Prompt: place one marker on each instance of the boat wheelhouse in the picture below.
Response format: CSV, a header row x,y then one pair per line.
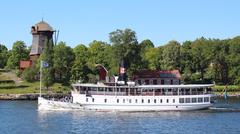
x,y
133,97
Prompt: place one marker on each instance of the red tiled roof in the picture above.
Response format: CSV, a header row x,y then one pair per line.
x,y
157,74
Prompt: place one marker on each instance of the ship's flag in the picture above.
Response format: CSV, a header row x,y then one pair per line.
x,y
44,64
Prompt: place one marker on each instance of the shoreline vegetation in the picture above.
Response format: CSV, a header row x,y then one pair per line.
x,y
30,91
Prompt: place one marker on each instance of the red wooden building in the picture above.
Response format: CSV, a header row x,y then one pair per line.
x,y
157,77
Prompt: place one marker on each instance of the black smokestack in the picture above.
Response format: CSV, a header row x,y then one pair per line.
x,y
122,72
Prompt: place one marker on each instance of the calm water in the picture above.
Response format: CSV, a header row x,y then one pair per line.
x,y
22,117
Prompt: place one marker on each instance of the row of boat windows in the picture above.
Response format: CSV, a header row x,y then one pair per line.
x,y
194,100
136,100
181,100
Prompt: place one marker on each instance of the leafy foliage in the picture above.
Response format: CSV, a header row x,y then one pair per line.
x,y
47,56
19,52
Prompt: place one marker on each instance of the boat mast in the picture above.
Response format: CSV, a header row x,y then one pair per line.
x,y
40,79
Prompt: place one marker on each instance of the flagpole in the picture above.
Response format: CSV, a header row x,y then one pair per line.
x,y
41,78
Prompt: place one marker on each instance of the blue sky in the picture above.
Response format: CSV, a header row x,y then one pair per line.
x,y
82,21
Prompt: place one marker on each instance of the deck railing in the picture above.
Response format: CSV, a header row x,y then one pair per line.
x,y
174,93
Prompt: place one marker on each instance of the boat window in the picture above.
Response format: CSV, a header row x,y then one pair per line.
x,y
187,100
181,100
110,89
162,82
147,82
86,99
139,82
92,99
136,101
148,100
171,82
130,101
105,100
154,82
167,100
155,101
142,100
117,100
194,100
100,89
173,100
160,100
123,100
200,99
206,99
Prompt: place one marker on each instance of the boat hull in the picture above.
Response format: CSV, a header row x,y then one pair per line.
x,y
140,103
45,104
146,107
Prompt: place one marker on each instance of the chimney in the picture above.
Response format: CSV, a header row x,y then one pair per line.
x,y
122,72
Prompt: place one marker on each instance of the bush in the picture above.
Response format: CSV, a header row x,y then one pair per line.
x,y
29,74
18,73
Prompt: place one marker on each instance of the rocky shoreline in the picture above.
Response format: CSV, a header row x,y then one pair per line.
x,y
30,96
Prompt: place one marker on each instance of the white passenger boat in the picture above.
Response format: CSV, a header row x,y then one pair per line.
x,y
131,97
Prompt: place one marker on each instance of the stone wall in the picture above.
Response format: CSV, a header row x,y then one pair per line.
x,y
30,96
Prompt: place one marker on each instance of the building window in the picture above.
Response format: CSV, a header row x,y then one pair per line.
x,y
130,101
92,99
162,82
148,100
160,100
181,100
167,100
171,82
155,82
86,99
123,100
105,100
136,101
173,100
117,100
155,101
142,100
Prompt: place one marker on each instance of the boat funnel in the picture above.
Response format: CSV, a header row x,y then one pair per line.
x,y
122,72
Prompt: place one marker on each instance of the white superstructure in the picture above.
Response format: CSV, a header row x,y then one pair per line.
x,y
142,98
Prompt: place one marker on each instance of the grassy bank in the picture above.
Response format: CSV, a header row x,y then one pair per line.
x,y
26,87
11,84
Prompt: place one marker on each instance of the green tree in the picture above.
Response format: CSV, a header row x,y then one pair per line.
x,y
171,56
80,69
234,60
63,61
19,52
145,46
152,57
47,56
125,46
200,55
3,56
98,54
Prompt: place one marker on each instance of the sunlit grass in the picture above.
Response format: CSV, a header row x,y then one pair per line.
x,y
27,87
